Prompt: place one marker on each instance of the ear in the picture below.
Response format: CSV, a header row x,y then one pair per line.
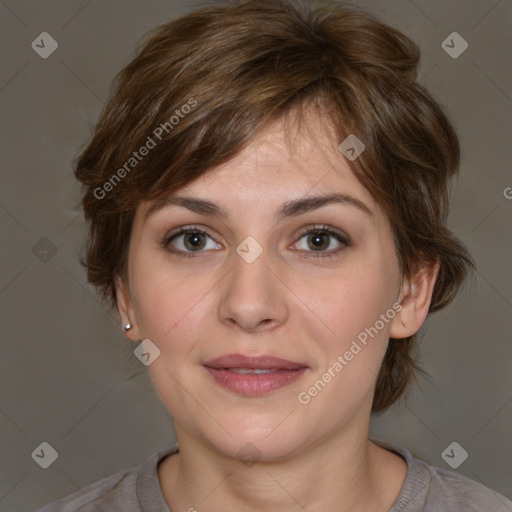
x,y
125,308
415,299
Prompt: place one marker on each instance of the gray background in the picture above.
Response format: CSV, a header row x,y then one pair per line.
x,y
68,374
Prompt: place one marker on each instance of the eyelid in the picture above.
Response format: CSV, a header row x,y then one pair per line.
x,y
183,230
331,231
303,231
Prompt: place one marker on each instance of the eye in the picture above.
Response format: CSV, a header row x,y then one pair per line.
x,y
320,238
192,240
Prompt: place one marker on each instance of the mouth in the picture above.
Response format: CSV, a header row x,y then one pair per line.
x,y
254,376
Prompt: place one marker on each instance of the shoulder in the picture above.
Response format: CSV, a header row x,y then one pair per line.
x,y
448,488
113,493
432,489
134,489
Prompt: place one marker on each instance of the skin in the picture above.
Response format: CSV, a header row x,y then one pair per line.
x,y
287,303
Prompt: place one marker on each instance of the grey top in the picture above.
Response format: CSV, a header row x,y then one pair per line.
x,y
426,489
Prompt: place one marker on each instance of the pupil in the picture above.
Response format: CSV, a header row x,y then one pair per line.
x,y
197,239
317,237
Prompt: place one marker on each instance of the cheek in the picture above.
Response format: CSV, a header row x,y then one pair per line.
x,y
352,306
166,301
355,299
167,309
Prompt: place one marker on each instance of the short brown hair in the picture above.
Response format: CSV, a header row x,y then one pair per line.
x,y
208,82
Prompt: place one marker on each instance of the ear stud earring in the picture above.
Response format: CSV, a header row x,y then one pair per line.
x,y
127,327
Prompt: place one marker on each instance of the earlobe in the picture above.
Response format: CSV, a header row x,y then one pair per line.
x,y
125,308
417,296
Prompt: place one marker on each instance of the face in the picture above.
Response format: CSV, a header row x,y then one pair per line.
x,y
304,286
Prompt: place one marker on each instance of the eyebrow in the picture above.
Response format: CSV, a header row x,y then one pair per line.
x,y
291,208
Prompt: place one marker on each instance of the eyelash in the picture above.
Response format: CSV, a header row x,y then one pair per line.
x,y
343,239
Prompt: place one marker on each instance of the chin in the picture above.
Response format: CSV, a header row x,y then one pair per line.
x,y
252,444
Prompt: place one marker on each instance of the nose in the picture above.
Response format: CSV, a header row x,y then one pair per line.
x,y
254,296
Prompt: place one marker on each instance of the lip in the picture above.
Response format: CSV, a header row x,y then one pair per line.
x,y
260,362
284,372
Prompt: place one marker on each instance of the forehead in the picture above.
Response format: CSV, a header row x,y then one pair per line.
x,y
281,163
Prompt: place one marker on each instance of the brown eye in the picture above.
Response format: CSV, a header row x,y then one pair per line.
x,y
193,240
187,241
320,239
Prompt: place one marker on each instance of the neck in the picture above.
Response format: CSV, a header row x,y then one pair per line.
x,y
343,474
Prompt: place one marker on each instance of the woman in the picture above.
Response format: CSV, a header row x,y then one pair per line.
x,y
267,195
